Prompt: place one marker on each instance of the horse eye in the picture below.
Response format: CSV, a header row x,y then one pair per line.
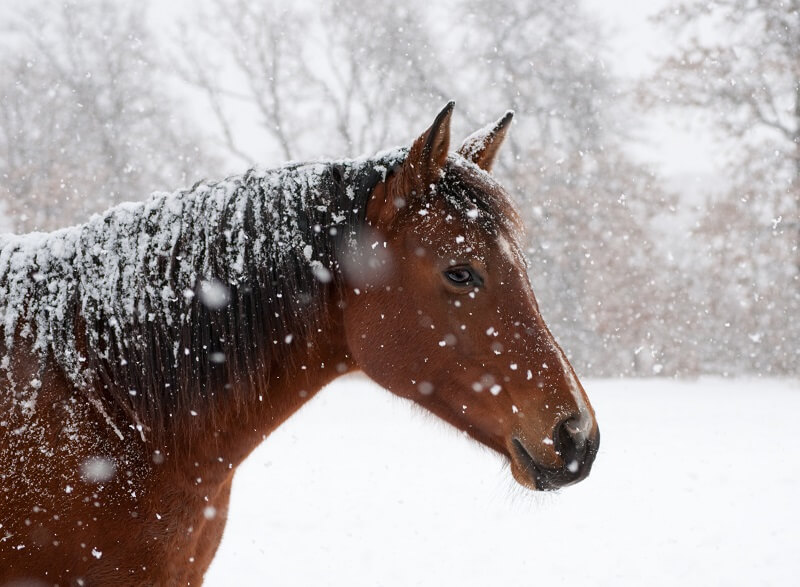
x,y
460,276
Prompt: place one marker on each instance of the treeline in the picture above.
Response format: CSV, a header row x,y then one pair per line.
x,y
102,102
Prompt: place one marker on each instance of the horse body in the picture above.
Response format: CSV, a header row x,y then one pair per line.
x,y
95,483
100,509
147,353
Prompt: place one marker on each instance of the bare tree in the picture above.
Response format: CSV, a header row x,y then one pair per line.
x,y
738,62
380,70
85,122
588,207
360,69
252,61
88,116
541,59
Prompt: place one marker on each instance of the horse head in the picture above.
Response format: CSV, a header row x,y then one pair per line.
x,y
439,309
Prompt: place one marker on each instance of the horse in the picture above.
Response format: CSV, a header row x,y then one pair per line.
x,y
145,353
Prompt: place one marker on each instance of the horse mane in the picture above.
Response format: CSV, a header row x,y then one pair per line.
x,y
154,305
472,192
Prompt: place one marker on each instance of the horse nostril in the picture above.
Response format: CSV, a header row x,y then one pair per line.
x,y
575,441
570,443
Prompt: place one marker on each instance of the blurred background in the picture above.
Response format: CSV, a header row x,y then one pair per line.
x,y
655,157
655,152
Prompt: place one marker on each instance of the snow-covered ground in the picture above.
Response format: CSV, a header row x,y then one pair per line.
x,y
696,483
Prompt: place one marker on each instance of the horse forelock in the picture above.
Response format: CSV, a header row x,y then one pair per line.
x,y
155,305
472,194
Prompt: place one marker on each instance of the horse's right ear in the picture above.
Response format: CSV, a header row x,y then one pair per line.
x,y
481,147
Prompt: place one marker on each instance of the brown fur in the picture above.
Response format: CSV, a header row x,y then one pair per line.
x,y
159,519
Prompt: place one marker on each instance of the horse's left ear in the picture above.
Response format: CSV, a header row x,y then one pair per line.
x,y
422,167
428,154
481,146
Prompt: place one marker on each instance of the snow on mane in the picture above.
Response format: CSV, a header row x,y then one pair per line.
x,y
131,277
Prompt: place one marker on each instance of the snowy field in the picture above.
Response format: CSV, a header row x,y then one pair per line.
x,y
696,483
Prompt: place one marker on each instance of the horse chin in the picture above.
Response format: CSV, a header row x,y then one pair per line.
x,y
522,477
527,472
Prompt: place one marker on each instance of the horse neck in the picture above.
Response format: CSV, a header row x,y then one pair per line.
x,y
218,435
236,414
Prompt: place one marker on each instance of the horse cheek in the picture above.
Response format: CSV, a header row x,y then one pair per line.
x,y
377,337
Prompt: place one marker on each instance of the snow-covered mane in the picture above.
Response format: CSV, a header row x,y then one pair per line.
x,y
153,304
146,353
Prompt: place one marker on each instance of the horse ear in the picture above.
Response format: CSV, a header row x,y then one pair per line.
x,y
481,146
428,154
422,167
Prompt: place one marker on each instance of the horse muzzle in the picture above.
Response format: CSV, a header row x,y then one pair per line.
x,y
576,451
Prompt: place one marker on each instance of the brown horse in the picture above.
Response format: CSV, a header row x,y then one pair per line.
x,y
147,352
